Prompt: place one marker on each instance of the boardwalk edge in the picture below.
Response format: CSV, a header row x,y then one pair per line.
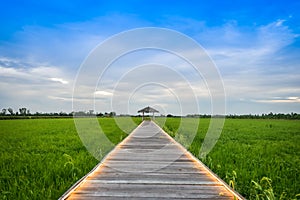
x,y
82,180
235,193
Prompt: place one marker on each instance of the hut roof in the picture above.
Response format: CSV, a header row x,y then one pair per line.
x,y
148,109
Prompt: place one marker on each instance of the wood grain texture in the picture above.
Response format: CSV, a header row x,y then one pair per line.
x,y
149,164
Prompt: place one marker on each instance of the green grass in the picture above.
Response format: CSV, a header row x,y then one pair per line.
x,y
250,148
42,158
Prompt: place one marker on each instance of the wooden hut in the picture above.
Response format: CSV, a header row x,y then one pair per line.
x,y
148,109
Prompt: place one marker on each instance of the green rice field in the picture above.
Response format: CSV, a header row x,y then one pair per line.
x,y
42,158
260,158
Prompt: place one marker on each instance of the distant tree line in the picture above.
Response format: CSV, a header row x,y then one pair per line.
x,y
91,113
251,116
10,111
25,112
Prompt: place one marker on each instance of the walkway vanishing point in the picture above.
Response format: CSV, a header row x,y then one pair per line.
x,y
149,164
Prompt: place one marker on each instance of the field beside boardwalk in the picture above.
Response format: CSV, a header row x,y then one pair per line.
x,y
42,158
258,157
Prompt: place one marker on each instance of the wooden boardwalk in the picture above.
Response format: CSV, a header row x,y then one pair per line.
x,y
149,164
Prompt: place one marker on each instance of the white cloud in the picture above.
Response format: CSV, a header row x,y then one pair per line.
x,y
45,71
60,80
245,58
12,72
232,41
279,100
15,67
32,85
255,65
35,74
293,98
103,93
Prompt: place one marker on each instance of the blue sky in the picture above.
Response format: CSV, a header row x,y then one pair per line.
x,y
254,44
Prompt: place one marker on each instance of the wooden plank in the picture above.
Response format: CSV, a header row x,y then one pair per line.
x,y
149,164
148,186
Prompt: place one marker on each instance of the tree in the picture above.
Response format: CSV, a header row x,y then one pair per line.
x,y
63,113
23,111
3,111
112,114
100,114
11,111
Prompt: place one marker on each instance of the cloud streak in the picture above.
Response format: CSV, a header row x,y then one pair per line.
x,y
32,85
255,64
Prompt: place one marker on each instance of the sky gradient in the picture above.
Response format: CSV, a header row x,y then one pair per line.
x,y
254,44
